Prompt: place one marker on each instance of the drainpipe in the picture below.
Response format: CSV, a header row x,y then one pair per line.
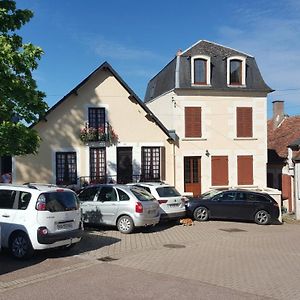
x,y
174,164
177,69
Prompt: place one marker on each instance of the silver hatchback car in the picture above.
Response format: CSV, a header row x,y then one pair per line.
x,y
123,206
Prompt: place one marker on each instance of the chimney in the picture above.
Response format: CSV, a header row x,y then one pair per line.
x,y
179,52
278,112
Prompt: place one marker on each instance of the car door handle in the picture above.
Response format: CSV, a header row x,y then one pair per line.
x,y
5,216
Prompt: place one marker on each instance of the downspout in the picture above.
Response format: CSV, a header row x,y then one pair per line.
x,y
174,164
177,69
177,85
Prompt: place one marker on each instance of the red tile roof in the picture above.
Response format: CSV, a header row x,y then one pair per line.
x,y
285,134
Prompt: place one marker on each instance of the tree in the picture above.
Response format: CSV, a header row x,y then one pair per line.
x,y
21,103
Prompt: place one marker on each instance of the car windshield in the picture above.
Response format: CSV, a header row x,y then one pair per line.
x,y
167,191
61,201
142,195
210,194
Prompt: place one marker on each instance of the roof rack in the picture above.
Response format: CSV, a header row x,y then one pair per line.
x,y
34,185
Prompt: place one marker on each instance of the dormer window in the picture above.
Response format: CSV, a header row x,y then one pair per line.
x,y
236,71
200,70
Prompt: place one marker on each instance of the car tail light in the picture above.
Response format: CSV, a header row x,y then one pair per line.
x,y
42,231
60,190
160,201
41,203
139,207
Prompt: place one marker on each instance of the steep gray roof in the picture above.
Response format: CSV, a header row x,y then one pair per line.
x,y
164,81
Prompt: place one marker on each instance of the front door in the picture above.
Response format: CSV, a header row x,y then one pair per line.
x,y
192,175
124,164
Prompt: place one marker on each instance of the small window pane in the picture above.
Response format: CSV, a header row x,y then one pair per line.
x,y
200,71
235,72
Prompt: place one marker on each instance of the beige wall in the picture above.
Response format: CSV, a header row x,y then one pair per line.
x,y
61,130
218,133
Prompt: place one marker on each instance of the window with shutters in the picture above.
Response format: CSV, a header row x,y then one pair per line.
x,y
200,70
219,170
193,126
244,123
66,168
150,164
236,71
245,169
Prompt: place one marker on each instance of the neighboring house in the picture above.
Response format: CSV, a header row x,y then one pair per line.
x,y
99,132
295,148
283,131
214,97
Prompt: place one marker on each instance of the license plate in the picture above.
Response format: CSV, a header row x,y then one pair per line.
x,y
151,211
174,205
65,226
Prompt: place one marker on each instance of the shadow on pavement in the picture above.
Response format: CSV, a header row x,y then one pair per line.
x,y
90,241
161,226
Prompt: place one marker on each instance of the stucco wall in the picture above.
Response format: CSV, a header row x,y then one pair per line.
x,y
218,134
61,130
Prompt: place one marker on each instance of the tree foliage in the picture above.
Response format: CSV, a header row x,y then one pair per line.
x,y
20,101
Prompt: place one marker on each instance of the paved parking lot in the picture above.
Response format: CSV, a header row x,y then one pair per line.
x,y
243,259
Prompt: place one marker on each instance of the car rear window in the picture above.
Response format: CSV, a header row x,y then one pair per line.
x,y
61,201
142,195
167,191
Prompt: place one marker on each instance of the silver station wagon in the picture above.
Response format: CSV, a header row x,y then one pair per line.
x,y
123,206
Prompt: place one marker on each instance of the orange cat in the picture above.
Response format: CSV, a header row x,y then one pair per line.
x,y
186,222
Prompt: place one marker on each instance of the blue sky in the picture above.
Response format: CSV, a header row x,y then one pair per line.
x,y
138,38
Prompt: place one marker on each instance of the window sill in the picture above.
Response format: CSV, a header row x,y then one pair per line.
x,y
245,139
194,139
236,85
200,85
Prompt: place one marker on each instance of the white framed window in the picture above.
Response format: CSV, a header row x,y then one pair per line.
x,y
236,71
200,70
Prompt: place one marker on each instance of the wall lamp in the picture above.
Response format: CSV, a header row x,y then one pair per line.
x,y
207,153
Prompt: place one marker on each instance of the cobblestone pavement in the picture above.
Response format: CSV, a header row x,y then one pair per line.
x,y
263,261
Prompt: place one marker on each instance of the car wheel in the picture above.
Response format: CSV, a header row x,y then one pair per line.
x,y
262,217
201,213
125,224
20,246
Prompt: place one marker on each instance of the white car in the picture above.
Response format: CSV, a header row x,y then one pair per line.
x,y
172,204
36,217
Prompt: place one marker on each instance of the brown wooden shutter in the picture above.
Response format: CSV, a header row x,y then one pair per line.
x,y
219,170
193,122
244,122
245,169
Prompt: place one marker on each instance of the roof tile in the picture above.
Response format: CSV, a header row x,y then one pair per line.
x,y
284,135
